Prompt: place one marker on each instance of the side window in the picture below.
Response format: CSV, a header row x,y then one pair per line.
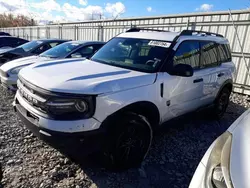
x,y
188,53
224,53
209,54
53,44
42,49
83,52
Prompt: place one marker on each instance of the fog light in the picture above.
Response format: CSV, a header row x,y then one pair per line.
x,y
218,178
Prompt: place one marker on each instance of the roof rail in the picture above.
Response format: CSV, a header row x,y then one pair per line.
x,y
191,32
138,29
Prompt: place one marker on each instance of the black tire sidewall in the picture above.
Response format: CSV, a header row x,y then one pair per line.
x,y
118,125
217,113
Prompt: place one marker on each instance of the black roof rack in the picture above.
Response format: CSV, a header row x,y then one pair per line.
x,y
138,29
183,33
191,32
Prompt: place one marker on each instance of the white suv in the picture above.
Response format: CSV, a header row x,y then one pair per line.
x,y
114,101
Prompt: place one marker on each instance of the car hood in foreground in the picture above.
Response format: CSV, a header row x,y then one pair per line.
x,y
16,51
5,49
240,152
84,77
22,61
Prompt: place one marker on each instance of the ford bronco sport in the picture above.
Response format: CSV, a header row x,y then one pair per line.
x,y
114,101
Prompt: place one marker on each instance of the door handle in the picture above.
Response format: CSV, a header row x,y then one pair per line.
x,y
220,74
198,80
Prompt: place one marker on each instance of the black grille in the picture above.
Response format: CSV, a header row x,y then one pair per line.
x,y
31,96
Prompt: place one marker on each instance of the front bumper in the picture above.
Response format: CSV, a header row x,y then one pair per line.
x,y
78,142
198,180
9,83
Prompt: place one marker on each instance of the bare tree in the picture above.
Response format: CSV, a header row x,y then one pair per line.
x,y
9,20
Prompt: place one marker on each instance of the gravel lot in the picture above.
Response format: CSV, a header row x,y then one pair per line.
x,y
175,154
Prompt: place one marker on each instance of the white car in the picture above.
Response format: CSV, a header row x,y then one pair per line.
x,y
134,83
71,49
226,162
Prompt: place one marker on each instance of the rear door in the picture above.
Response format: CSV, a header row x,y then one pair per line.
x,y
210,70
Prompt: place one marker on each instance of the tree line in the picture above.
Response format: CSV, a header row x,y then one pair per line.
x,y
9,20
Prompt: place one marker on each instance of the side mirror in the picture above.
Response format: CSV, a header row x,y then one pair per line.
x,y
183,70
76,55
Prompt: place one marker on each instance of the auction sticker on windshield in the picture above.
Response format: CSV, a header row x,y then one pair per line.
x,y
159,43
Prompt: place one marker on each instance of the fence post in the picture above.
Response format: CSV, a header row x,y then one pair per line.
x,y
75,32
193,26
100,33
59,36
30,33
38,33
23,33
47,32
60,31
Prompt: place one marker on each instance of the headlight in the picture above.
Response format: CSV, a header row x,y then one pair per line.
x,y
16,70
73,108
3,73
217,171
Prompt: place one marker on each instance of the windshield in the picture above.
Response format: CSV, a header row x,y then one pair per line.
x,y
30,45
136,54
61,50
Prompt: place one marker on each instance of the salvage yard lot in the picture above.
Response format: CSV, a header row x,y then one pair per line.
x,y
172,160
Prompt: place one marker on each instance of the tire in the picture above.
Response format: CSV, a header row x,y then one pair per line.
x,y
129,139
221,103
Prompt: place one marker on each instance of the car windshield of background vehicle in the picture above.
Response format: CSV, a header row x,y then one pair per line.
x,y
136,54
61,50
30,45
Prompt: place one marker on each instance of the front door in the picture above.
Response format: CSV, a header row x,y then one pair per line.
x,y
184,93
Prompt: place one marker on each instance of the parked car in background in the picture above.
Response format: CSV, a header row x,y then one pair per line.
x,y
72,49
114,101
226,162
11,42
35,47
4,34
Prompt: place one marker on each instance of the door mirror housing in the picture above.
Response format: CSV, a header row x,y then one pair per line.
x,y
183,70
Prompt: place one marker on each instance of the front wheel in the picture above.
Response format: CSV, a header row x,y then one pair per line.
x,y
129,140
221,103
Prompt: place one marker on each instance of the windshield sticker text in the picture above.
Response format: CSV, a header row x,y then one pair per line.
x,y
159,43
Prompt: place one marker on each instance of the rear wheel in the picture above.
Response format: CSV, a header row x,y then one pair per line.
x,y
221,103
129,140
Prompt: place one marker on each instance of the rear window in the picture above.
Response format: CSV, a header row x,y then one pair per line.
x,y
61,50
30,45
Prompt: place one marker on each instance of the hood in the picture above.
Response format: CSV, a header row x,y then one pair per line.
x,y
5,49
22,61
16,51
240,151
84,77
